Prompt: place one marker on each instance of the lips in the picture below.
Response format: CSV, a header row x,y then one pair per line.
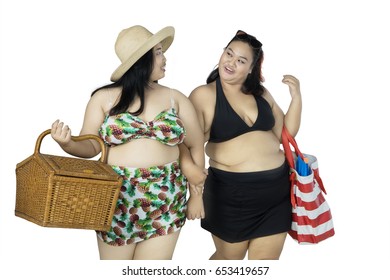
x,y
228,69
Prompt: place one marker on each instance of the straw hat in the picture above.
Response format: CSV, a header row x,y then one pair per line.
x,y
132,43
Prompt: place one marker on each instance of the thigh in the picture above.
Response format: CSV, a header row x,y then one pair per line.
x,y
157,248
109,252
229,251
267,247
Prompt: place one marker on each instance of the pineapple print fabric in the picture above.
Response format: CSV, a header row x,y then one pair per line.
x,y
152,203
166,128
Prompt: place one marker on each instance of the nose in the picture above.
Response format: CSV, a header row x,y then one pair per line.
x,y
232,61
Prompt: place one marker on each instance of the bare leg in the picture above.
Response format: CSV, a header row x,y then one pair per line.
x,y
158,248
267,247
229,251
108,252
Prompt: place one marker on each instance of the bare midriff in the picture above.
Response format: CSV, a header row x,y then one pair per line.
x,y
253,151
142,153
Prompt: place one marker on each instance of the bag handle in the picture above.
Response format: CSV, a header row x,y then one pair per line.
x,y
288,140
75,138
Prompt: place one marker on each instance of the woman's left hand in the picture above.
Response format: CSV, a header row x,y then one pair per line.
x,y
293,85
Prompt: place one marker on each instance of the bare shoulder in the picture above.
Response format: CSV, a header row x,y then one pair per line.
x,y
106,98
107,94
268,96
177,94
179,98
181,102
204,94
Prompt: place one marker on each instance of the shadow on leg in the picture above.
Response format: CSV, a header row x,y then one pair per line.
x,y
267,247
229,251
158,248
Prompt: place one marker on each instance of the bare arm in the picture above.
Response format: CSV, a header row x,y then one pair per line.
x,y
292,119
192,151
194,173
93,118
194,138
203,100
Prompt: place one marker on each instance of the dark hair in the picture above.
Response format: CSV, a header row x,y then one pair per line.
x,y
253,83
133,83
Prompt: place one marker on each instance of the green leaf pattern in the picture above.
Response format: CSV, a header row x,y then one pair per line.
x,y
142,215
166,128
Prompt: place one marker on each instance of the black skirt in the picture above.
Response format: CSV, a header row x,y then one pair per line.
x,y
246,205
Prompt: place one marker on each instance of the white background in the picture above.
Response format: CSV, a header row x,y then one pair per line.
x,y
55,53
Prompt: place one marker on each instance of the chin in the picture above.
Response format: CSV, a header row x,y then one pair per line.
x,y
226,76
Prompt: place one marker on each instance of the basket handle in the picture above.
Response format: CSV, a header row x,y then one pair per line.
x,y
75,138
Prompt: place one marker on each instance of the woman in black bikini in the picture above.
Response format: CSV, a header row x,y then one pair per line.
x,y
246,194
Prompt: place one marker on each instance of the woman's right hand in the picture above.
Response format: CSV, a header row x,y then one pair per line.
x,y
61,133
195,207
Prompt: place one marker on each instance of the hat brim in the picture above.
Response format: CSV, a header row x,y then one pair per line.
x,y
165,36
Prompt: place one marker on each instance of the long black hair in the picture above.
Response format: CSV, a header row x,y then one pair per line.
x,y
253,83
133,83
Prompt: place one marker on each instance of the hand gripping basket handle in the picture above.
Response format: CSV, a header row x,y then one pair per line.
x,y
74,138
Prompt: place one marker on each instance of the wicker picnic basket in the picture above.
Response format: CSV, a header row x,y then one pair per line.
x,y
66,192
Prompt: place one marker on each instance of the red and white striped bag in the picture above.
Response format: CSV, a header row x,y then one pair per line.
x,y
312,219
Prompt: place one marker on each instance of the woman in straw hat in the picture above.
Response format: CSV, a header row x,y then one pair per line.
x,y
143,123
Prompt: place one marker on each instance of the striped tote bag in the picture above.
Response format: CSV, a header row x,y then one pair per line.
x,y
311,216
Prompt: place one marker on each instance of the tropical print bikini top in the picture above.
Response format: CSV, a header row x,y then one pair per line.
x,y
166,128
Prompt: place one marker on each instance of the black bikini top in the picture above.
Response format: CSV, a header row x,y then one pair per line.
x,y
227,124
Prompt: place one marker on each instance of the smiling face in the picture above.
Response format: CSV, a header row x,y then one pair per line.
x,y
158,64
236,62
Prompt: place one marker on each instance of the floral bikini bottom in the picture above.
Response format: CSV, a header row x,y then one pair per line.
x,y
151,203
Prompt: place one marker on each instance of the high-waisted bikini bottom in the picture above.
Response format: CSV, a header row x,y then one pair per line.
x,y
246,205
151,203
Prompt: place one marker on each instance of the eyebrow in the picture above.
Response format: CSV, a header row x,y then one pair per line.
x,y
243,57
